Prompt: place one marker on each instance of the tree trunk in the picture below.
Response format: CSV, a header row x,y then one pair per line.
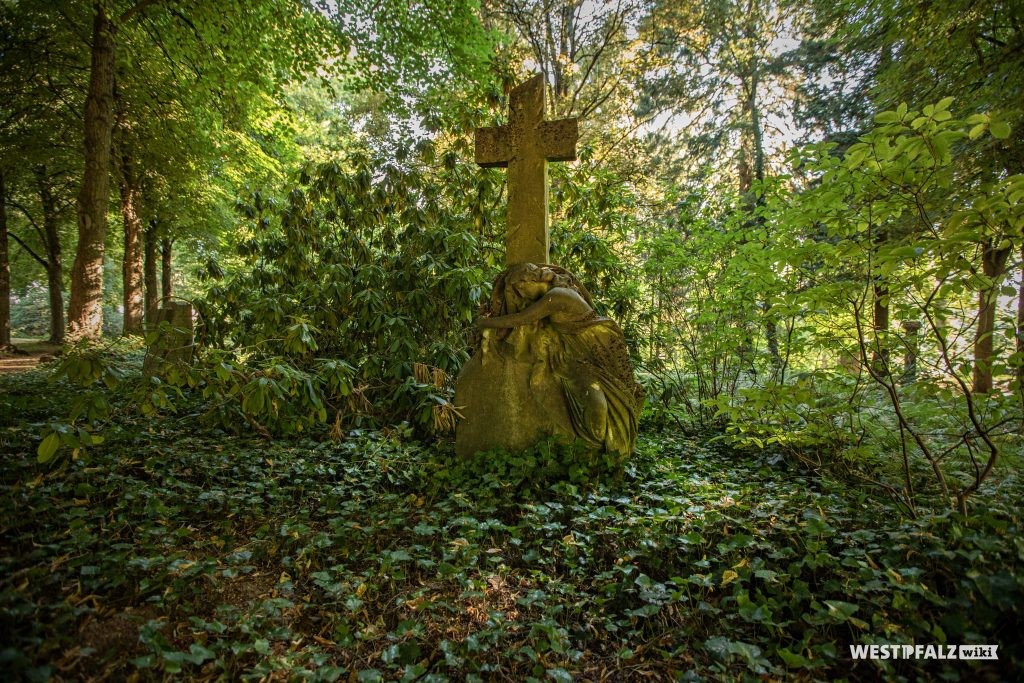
x,y
85,310
993,265
880,324
771,326
5,272
911,330
880,285
880,311
756,131
771,333
744,173
54,264
165,271
149,274
1020,323
131,268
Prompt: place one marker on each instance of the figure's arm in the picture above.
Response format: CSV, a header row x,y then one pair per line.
x,y
559,300
538,310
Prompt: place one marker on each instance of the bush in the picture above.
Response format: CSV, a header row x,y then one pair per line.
x,y
30,311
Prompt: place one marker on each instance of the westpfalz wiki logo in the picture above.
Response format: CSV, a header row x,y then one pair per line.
x,y
924,651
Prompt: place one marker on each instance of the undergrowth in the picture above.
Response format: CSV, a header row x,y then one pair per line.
x,y
172,551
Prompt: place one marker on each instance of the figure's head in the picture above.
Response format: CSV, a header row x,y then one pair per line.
x,y
524,283
555,276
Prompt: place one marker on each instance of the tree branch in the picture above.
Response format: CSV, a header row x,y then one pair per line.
x,y
45,264
135,9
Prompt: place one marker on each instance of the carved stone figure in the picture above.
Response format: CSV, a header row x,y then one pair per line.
x,y
559,368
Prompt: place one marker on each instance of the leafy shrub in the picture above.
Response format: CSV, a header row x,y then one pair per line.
x,y
370,263
30,311
897,226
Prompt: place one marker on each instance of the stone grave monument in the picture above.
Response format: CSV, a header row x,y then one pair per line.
x,y
174,342
544,363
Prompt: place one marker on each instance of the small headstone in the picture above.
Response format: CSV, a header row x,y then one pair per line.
x,y
174,341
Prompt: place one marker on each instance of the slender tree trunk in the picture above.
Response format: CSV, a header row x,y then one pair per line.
x,y
54,264
756,131
5,272
744,173
911,330
566,44
85,310
165,272
880,285
556,64
880,310
1020,322
745,181
880,324
771,326
771,334
149,274
132,266
993,265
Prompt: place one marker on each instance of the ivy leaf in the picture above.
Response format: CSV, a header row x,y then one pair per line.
x,y
1000,129
840,611
559,675
199,654
793,660
728,576
645,611
48,447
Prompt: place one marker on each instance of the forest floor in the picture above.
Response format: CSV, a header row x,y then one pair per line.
x,y
178,551
26,355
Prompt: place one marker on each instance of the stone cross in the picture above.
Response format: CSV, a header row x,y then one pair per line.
x,y
525,145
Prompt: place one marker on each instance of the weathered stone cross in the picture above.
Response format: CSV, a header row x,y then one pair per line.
x,y
525,145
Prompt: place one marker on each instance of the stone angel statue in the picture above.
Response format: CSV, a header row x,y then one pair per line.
x,y
542,315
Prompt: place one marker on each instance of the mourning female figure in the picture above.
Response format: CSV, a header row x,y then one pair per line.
x,y
545,315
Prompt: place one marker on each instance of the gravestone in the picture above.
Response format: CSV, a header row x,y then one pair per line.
x,y
544,363
174,341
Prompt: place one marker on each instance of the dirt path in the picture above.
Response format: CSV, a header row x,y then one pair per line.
x,y
27,354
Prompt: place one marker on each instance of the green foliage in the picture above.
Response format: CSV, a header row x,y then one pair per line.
x,y
428,45
595,220
30,311
378,558
528,474
352,308
365,261
704,278
898,224
772,313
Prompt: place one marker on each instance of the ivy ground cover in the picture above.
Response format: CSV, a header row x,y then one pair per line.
x,y
175,552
